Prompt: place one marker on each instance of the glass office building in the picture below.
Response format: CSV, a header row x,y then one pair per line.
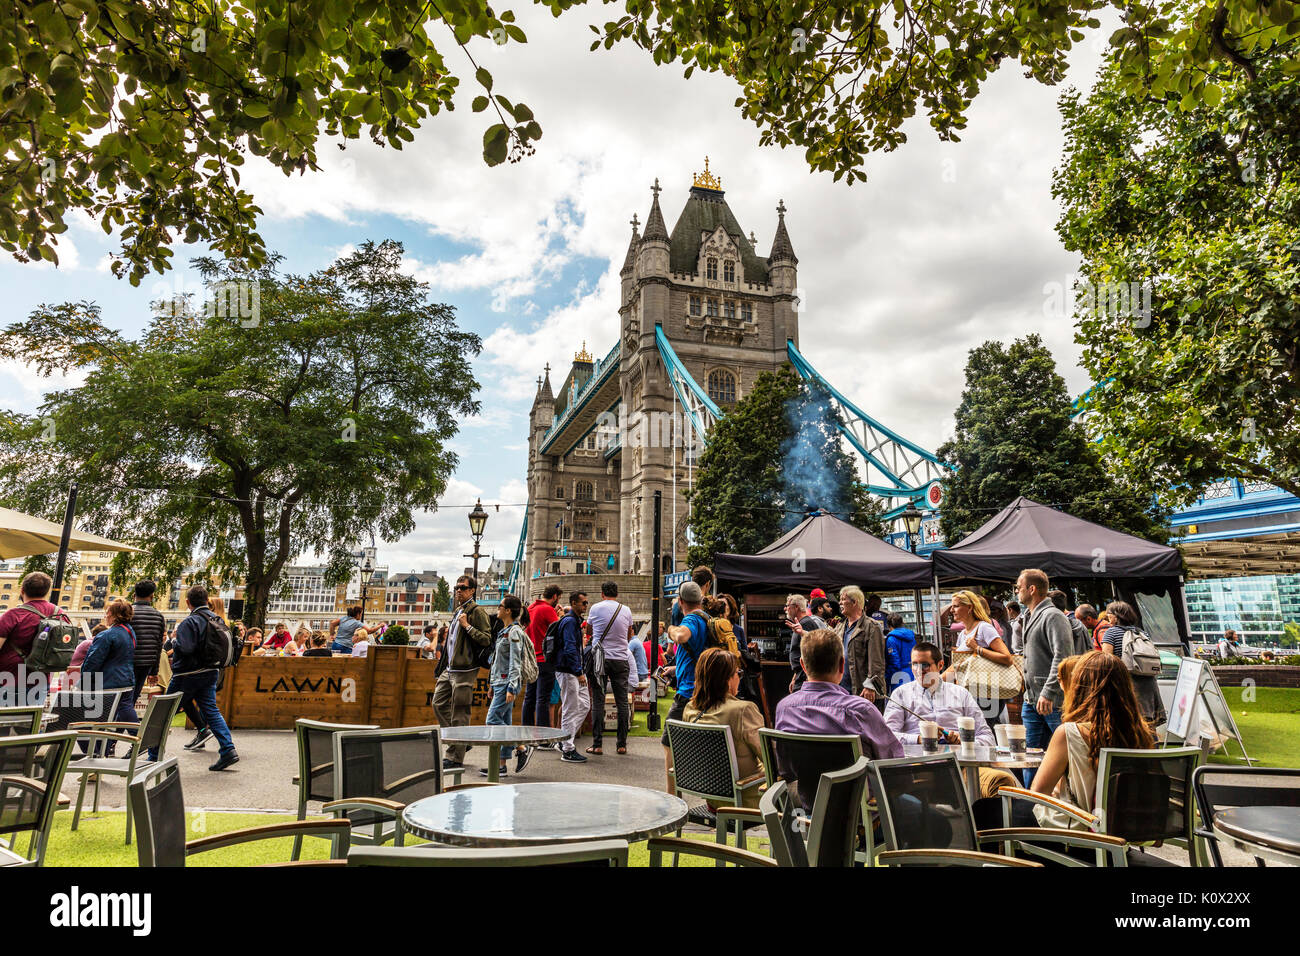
x,y
1257,607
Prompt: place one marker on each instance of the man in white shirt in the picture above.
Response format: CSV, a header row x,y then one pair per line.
x,y
933,698
610,625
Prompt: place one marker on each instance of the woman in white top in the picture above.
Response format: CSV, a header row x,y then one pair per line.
x,y
1102,712
977,633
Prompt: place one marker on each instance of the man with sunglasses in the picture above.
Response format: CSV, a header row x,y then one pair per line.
x,y
457,669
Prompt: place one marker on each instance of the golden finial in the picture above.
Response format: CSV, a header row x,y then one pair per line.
x,y
584,355
706,179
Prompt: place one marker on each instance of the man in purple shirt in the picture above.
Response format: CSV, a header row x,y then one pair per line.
x,y
822,706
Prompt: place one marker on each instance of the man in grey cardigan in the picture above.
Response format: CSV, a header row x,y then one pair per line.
x,y
1048,641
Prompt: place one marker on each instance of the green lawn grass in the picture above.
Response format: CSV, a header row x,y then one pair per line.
x,y
1269,724
98,842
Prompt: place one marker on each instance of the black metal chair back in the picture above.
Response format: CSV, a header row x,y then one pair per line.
x,y
158,805
75,706
401,765
796,757
20,721
828,837
923,804
156,722
704,759
29,787
1145,796
316,756
1222,788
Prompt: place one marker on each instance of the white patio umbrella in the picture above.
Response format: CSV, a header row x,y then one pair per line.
x,y
21,535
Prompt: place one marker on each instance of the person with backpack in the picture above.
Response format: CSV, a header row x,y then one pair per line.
x,y
19,628
469,647
510,673
692,639
111,660
564,651
200,649
149,626
537,698
1140,655
610,623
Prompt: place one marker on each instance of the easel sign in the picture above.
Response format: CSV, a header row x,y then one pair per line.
x,y
1199,712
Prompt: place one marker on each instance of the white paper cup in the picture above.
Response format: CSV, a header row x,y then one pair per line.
x,y
1000,731
929,736
1016,738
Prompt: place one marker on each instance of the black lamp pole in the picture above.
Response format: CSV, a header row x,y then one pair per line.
x,y
477,521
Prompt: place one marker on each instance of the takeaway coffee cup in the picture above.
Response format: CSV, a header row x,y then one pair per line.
x,y
930,736
1000,731
1016,738
966,735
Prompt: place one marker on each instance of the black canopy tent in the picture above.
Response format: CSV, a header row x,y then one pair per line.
x,y
822,551
1028,534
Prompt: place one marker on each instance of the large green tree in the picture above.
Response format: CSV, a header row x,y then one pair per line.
x,y
1202,208
140,113
314,415
839,78
775,456
1014,436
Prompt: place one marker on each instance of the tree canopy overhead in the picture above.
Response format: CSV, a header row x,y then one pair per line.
x,y
840,77
242,440
1014,436
141,113
1203,207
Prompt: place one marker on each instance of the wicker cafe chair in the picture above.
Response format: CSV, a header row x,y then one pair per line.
x,y
31,772
150,733
315,777
924,806
1219,788
832,828
1143,796
159,806
704,766
794,757
377,773
592,853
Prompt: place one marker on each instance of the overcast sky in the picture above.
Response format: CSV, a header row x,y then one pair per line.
x,y
945,246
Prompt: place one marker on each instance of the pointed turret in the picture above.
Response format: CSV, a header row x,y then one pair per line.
x,y
782,251
629,261
652,254
654,226
544,388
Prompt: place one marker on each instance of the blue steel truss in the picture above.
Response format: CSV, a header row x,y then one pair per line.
x,y
519,557
907,468
699,410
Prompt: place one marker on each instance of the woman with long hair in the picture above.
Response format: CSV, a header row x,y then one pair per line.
x,y
1101,711
1112,642
512,643
717,679
217,606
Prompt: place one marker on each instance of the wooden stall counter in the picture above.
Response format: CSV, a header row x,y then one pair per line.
x,y
390,686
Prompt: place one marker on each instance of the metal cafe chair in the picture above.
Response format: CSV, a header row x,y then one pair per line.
x,y
21,721
704,766
951,858
377,773
924,806
74,706
1142,797
31,772
150,733
795,757
158,802
1221,787
720,853
827,837
591,853
315,777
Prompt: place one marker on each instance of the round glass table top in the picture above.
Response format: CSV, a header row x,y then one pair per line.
x,y
983,756
523,814
1275,827
501,734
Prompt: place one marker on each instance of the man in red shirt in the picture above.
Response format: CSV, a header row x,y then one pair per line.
x,y
18,628
537,698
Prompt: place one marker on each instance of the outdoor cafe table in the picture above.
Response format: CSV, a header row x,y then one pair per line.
x,y
497,735
528,814
984,757
1270,833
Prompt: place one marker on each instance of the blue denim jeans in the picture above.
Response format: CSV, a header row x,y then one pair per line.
x,y
537,698
1038,730
499,710
201,688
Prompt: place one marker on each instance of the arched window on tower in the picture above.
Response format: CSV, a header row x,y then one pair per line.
x,y
722,386
584,491
728,271
710,268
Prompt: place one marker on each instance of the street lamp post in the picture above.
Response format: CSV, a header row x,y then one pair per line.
x,y
367,569
912,523
477,521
